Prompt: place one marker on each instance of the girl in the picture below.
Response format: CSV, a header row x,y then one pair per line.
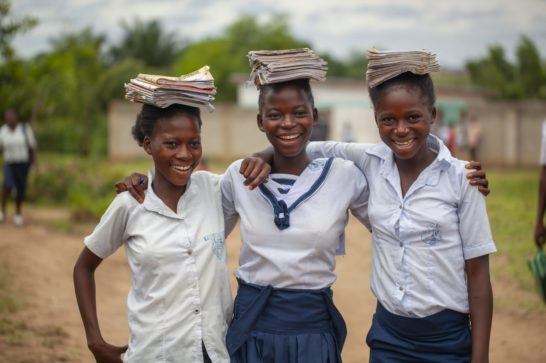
x,y
430,232
180,303
291,230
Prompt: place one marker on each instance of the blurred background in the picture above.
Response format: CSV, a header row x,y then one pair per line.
x,y
63,64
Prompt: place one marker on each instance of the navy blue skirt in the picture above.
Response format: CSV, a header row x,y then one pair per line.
x,y
441,337
15,177
272,325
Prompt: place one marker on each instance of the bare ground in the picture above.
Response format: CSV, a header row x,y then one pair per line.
x,y
47,328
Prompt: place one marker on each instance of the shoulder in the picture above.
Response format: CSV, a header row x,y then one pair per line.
x,y
124,203
205,178
234,167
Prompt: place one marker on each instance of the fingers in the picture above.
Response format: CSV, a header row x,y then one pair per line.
x,y
476,165
255,171
484,190
120,187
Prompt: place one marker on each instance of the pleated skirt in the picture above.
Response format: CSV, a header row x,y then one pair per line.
x,y
442,337
272,325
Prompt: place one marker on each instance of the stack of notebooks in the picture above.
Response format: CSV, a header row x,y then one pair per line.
x,y
194,89
384,65
274,66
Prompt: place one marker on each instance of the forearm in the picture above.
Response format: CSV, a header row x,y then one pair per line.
x,y
84,285
480,299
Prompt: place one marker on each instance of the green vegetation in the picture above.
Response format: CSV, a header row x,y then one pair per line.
x,y
512,209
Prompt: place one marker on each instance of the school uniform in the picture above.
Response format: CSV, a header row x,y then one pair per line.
x,y
180,296
15,144
420,244
291,227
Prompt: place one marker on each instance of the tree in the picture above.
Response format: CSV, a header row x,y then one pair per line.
x,y
226,54
148,43
10,27
495,73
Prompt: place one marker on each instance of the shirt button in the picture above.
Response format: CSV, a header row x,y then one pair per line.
x,y
190,252
196,311
400,206
401,244
401,288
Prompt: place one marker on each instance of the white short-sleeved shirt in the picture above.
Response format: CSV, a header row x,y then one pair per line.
x,y
13,143
180,293
301,256
543,145
421,240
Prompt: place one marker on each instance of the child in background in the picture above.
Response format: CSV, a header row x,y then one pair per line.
x,y
430,232
180,302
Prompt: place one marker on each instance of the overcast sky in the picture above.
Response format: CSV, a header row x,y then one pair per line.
x,y
457,30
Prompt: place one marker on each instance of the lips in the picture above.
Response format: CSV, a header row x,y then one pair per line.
x,y
182,168
404,143
289,137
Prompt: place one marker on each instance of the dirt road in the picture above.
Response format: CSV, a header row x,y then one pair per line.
x,y
47,326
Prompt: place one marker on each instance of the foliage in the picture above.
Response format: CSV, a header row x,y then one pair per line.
x,y
525,79
226,54
10,27
146,42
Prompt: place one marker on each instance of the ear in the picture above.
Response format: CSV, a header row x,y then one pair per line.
x,y
434,115
315,117
259,122
147,145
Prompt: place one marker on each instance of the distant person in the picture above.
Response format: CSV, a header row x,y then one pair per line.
x,y
445,132
474,137
540,230
19,145
347,133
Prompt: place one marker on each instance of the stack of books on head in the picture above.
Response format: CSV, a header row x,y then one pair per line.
x,y
384,65
194,89
274,66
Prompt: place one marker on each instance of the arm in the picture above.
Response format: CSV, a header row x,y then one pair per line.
x,y
231,216
540,231
84,284
480,300
255,170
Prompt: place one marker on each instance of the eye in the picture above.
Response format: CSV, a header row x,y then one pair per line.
x,y
301,113
195,144
414,118
387,121
273,116
170,144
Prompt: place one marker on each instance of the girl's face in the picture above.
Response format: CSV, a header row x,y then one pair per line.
x,y
175,146
404,118
287,118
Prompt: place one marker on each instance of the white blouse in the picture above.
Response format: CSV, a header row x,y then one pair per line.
x,y
295,247
420,240
180,293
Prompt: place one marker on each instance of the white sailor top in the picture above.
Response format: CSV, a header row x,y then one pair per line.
x,y
292,227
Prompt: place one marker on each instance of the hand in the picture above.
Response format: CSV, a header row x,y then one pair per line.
x,y
136,184
540,234
478,177
107,353
255,170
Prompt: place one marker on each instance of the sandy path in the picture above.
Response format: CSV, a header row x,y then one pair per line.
x,y
41,263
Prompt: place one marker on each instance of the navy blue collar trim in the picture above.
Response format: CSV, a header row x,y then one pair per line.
x,y
285,181
281,210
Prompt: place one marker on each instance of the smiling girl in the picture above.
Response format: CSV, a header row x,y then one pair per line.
x,y
292,227
180,302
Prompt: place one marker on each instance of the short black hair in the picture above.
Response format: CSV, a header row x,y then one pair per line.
x,y
302,83
148,116
422,82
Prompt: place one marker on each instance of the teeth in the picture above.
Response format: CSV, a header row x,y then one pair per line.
x,y
403,143
183,168
289,137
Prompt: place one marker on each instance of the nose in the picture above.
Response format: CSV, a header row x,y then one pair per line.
x,y
183,153
401,128
288,121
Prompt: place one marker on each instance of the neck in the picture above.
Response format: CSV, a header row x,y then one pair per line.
x,y
290,165
168,193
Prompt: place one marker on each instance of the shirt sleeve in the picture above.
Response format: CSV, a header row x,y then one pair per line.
x,y
109,234
359,202
473,222
30,136
354,152
228,198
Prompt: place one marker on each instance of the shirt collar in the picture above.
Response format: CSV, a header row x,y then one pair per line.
x,y
153,203
440,163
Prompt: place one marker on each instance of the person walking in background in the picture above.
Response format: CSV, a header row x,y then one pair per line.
x,y
19,146
540,231
474,137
